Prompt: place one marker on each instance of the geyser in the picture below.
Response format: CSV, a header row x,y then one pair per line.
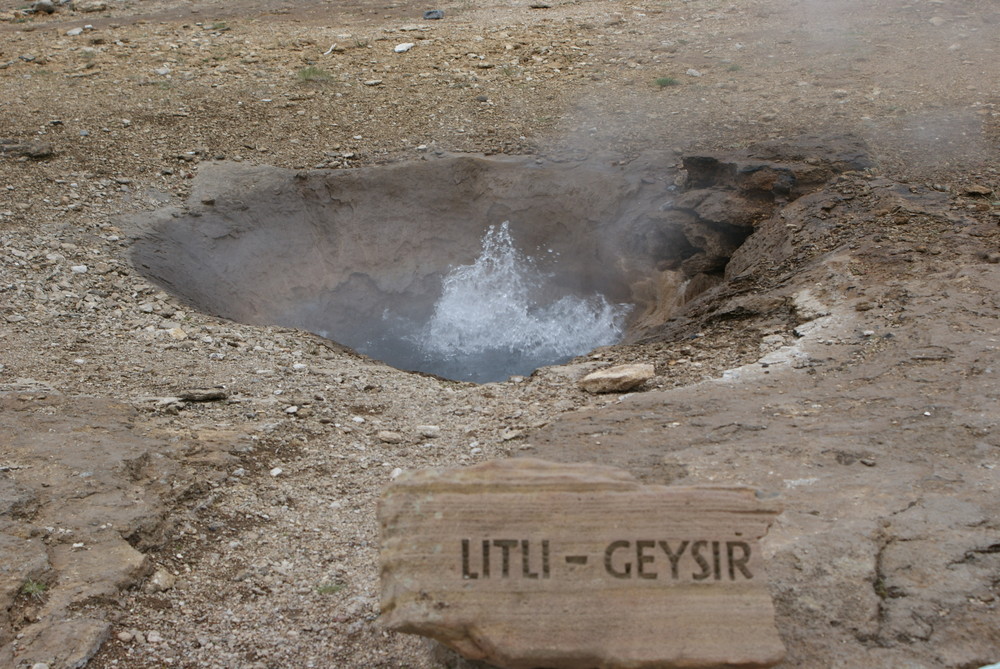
x,y
468,267
491,320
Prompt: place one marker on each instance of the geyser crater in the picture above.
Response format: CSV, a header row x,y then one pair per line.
x,y
469,267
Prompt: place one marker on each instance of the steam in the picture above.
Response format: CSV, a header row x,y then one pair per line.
x,y
490,323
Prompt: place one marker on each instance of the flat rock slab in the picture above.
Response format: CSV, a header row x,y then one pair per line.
x,y
527,563
619,379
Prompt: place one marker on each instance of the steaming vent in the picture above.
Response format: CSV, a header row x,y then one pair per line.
x,y
466,267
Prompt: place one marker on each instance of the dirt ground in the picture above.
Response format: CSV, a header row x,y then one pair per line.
x,y
848,366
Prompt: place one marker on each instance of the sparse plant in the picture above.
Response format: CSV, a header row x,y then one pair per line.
x,y
313,73
360,43
330,588
220,26
34,589
663,82
733,67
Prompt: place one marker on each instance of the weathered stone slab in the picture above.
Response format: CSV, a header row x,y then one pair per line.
x,y
526,563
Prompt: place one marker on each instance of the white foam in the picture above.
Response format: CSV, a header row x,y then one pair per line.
x,y
489,322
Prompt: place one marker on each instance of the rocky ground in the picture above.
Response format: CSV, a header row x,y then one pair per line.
x,y
178,489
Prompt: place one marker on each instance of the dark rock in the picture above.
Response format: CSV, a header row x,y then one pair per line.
x,y
204,395
34,150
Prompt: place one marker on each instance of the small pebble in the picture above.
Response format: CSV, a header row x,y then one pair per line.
x,y
389,437
429,431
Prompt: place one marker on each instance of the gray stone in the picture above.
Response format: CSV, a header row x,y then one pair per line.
x,y
390,437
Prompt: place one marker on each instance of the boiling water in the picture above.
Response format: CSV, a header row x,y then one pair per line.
x,y
489,324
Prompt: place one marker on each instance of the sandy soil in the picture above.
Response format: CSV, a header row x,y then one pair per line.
x,y
851,371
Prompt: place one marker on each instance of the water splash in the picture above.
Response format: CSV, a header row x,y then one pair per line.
x,y
489,323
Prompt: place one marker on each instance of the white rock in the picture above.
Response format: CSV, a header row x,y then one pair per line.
x,y
276,471
404,47
153,636
808,306
90,6
162,71
299,366
693,73
161,581
73,32
429,431
79,269
619,379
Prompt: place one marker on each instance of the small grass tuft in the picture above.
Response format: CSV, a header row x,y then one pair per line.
x,y
663,82
34,589
734,67
313,73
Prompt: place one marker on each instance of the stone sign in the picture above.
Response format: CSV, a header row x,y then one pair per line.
x,y
526,563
